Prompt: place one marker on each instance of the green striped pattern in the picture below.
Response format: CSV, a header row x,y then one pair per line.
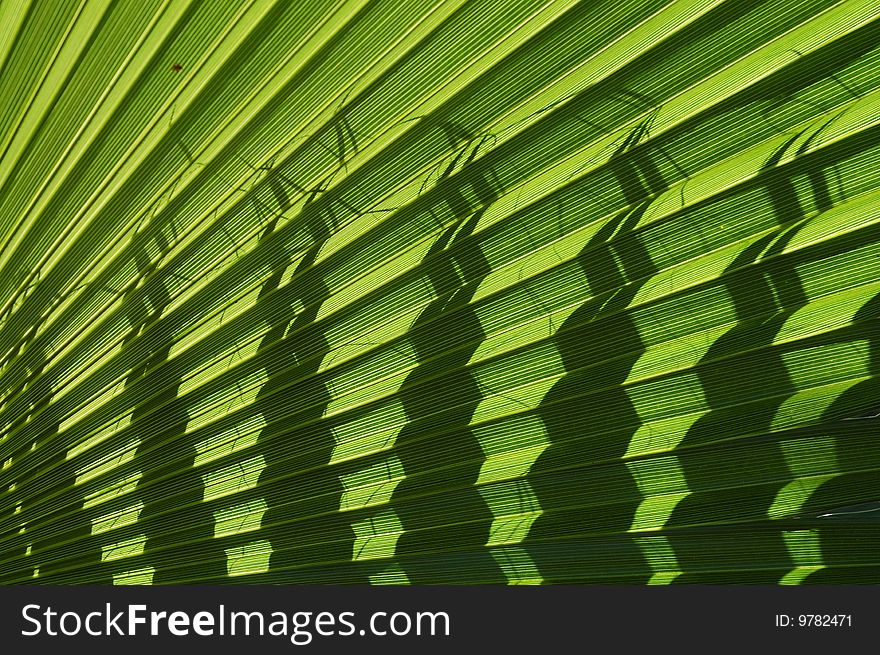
x,y
385,292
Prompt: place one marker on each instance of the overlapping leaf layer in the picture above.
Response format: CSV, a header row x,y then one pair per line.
x,y
439,292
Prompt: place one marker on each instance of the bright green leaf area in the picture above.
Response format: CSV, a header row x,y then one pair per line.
x,y
439,291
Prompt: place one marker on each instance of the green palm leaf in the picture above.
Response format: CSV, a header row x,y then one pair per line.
x,y
439,292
